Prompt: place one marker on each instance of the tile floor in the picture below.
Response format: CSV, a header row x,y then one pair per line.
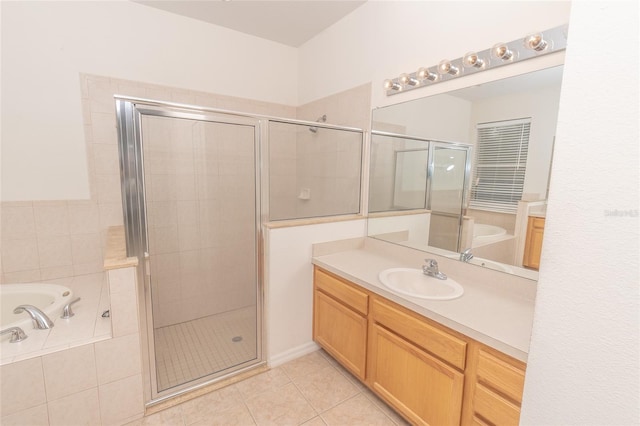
x,y
194,349
312,390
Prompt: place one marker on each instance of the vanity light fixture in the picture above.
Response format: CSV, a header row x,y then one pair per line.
x,y
472,60
391,85
407,79
502,51
535,44
426,74
446,67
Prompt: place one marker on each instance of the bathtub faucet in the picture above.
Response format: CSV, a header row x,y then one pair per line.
x,y
40,320
466,255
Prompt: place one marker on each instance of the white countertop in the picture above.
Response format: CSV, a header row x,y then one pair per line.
x,y
495,309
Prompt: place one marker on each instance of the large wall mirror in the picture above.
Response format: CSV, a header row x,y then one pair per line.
x,y
468,169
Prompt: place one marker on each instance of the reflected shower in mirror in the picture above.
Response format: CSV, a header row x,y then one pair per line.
x,y
510,126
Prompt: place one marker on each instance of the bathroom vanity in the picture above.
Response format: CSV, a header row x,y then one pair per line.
x,y
430,360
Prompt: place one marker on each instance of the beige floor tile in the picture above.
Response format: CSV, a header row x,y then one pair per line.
x,y
305,365
207,406
280,406
385,408
234,416
358,410
168,417
325,388
269,380
316,421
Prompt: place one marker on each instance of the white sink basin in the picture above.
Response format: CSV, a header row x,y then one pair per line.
x,y
412,282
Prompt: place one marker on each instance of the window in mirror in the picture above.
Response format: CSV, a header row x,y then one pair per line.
x,y
500,165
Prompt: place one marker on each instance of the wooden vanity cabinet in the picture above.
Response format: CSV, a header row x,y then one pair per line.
x,y
414,365
340,320
533,242
493,392
430,374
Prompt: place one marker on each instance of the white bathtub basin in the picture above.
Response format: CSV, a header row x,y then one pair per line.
x,y
412,282
49,298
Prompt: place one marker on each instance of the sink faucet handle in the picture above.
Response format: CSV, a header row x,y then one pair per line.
x,y
432,263
66,311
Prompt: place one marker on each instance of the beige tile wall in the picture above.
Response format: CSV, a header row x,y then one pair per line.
x,y
327,162
201,217
43,240
95,384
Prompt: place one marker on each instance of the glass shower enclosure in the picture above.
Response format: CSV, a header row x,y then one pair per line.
x,y
191,194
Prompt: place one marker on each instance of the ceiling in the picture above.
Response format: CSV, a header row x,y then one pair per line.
x,y
290,22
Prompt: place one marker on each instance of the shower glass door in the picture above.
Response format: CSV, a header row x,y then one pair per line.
x,y
448,177
199,212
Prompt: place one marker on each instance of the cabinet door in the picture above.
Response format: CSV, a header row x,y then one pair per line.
x,y
533,243
341,332
424,389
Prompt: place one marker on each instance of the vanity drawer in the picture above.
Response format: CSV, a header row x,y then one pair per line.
x,y
494,408
340,290
438,342
500,375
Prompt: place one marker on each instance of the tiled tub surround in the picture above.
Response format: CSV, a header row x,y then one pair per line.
x,y
85,327
496,308
97,383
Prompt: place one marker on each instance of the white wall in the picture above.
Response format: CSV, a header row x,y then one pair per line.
x,y
584,359
289,289
47,44
383,39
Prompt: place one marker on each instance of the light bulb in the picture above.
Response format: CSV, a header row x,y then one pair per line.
x,y
425,74
535,42
445,67
407,79
501,51
472,60
391,85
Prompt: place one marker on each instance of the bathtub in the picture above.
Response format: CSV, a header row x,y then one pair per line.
x,y
484,234
49,298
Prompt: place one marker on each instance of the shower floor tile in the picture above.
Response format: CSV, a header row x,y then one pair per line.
x,y
197,348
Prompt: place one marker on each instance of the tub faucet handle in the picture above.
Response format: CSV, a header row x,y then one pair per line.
x,y
66,311
17,335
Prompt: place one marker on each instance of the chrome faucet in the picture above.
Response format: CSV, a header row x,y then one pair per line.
x,y
17,335
40,320
66,311
431,269
466,255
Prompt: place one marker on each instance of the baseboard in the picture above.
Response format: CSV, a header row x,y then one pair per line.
x,y
293,353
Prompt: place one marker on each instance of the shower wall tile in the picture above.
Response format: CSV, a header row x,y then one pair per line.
x,y
18,221
55,272
20,255
105,158
36,416
55,251
52,218
83,217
